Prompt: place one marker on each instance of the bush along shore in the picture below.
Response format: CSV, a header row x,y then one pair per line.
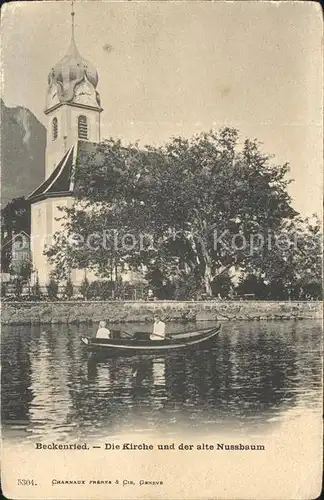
x,y
33,313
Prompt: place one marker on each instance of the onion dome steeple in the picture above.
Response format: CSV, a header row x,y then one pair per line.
x,y
73,79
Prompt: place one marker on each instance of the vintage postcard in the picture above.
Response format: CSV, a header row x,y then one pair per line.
x,y
161,250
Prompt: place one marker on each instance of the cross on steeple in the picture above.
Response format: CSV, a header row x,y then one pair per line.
x,y
72,17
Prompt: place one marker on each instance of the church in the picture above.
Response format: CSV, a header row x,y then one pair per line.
x,y
73,110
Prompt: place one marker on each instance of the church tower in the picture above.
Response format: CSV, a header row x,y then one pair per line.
x,y
73,131
72,104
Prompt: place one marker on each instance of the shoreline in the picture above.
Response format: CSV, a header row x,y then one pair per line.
x,y
75,312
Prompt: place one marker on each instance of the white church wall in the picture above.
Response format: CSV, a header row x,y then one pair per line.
x,y
46,220
55,148
39,238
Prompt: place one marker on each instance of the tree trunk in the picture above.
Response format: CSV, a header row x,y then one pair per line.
x,y
208,280
204,262
204,256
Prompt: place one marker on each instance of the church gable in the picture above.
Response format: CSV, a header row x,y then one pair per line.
x,y
62,180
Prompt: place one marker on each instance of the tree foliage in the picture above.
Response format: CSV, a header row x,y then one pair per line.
x,y
16,216
52,288
36,289
84,287
17,286
185,210
22,268
68,289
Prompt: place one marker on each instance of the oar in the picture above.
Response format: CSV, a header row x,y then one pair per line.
x,y
161,336
127,333
167,337
155,334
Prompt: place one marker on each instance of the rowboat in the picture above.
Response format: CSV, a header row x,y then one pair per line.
x,y
182,341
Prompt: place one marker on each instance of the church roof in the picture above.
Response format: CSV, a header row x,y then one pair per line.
x,y
61,182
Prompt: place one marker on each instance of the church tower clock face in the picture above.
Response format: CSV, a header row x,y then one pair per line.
x,y
52,99
85,94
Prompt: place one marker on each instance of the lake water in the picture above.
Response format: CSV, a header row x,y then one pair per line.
x,y
253,378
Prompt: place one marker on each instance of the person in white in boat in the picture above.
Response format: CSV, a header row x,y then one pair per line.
x,y
103,332
158,329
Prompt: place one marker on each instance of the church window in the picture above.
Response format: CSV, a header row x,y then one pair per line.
x,y
54,128
82,127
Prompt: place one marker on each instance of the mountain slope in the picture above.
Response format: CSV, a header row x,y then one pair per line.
x,y
23,143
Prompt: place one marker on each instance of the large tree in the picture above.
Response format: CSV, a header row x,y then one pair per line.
x,y
187,208
291,263
15,217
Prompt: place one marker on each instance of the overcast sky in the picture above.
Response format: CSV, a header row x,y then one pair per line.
x,y
178,68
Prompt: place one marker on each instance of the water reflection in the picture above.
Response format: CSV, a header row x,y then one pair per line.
x,y
252,377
